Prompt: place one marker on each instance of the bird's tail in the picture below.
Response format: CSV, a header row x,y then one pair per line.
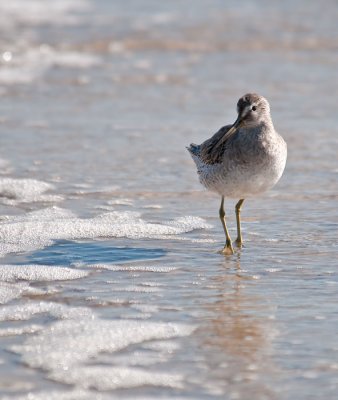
x,y
194,149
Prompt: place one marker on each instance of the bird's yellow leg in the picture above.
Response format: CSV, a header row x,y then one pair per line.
x,y
239,240
228,249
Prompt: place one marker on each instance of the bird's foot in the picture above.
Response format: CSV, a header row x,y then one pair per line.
x,y
239,242
228,250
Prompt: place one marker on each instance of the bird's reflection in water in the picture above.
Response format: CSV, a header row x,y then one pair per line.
x,y
237,337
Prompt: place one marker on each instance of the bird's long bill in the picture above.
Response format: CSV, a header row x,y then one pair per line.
x,y
233,129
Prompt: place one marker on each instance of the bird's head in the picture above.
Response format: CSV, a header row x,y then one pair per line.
x,y
252,109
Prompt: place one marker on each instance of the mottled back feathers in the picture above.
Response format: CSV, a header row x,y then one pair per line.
x,y
211,151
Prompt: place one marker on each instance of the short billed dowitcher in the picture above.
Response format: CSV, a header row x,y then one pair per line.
x,y
241,160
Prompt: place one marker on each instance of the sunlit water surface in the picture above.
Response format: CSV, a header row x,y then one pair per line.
x,y
110,281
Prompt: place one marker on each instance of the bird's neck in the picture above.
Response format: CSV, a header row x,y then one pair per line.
x,y
264,125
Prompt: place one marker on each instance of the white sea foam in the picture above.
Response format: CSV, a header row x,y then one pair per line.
x,y
137,289
14,191
120,202
70,59
146,308
87,338
15,74
34,12
76,394
22,61
10,273
10,291
5,166
33,328
65,348
23,312
153,206
27,66
40,228
166,346
79,394
140,358
134,268
109,378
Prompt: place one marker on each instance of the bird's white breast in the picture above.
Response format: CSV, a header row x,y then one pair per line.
x,y
245,179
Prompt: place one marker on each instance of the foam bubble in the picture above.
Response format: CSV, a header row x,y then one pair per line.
x,y
40,228
9,273
14,191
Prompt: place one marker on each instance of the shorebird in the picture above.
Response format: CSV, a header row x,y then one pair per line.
x,y
241,160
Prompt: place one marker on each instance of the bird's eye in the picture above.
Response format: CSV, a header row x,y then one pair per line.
x,y
254,108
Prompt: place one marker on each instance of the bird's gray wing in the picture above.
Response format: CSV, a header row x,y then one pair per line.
x,y
209,152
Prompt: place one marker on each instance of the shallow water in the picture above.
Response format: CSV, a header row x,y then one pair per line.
x,y
110,281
